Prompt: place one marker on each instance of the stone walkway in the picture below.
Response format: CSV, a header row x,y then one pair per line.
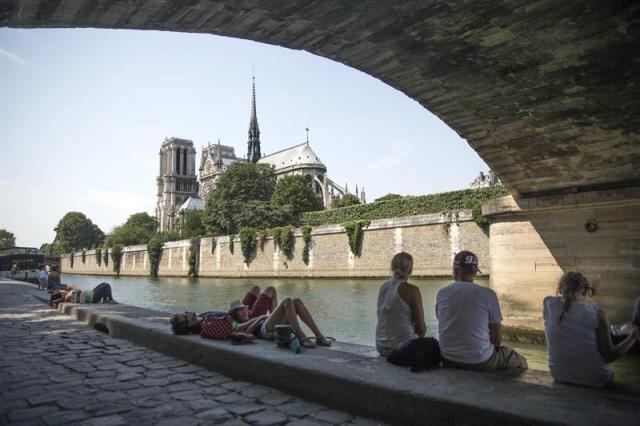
x,y
55,371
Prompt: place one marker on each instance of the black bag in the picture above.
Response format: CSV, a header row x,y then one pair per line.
x,y
422,353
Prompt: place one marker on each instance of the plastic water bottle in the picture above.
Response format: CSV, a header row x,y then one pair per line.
x,y
294,344
621,329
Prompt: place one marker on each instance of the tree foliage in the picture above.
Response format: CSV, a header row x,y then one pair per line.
x,y
241,198
76,231
345,201
295,191
138,229
116,257
192,226
355,235
7,239
248,243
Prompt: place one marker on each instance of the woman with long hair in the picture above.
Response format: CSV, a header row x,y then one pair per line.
x,y
578,335
400,311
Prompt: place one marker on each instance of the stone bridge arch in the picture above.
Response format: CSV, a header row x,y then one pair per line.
x,y
546,92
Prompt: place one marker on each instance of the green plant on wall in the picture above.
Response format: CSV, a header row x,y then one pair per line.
x,y
231,238
306,237
98,256
116,257
84,256
71,260
355,234
283,238
213,244
105,256
476,214
248,242
154,251
263,234
194,250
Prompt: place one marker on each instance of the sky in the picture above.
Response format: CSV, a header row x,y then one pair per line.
x,y
83,113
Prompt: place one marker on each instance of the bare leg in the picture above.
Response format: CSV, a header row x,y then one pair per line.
x,y
306,317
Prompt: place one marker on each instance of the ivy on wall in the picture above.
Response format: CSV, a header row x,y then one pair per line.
x,y
355,234
154,250
231,243
406,206
263,234
116,257
283,238
71,260
105,256
213,244
84,256
98,256
194,250
248,242
306,237
476,214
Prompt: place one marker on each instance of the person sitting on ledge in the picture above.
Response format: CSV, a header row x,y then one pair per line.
x,y
469,320
53,282
263,327
259,303
400,312
578,335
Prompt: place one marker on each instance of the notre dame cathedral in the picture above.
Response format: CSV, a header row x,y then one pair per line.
x,y
180,190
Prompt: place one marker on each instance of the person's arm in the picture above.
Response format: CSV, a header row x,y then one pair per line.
x,y
495,333
410,294
610,352
250,325
495,319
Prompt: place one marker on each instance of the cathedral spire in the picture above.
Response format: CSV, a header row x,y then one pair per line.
x,y
219,159
253,144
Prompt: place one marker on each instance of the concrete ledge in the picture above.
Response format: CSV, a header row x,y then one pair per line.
x,y
352,378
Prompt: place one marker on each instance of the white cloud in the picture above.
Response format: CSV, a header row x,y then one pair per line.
x,y
13,57
390,160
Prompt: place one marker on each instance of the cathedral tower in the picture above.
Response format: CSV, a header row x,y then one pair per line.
x,y
177,180
253,144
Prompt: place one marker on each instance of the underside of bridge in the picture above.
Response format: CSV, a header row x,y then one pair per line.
x,y
547,92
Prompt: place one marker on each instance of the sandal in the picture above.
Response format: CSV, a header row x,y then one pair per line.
x,y
324,341
307,342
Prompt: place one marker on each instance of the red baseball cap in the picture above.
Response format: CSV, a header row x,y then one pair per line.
x,y
466,258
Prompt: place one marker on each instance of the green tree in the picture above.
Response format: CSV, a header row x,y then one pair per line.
x,y
388,197
76,231
192,226
7,240
138,229
346,200
241,184
295,192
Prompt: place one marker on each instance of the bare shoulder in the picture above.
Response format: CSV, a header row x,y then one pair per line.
x,y
409,290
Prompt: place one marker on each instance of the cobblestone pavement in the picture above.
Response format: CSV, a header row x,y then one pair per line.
x,y
55,370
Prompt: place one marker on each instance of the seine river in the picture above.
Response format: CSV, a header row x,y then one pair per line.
x,y
344,309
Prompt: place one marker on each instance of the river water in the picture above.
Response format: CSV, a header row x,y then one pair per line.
x,y
344,309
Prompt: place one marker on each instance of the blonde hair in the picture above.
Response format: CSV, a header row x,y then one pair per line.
x,y
569,285
402,265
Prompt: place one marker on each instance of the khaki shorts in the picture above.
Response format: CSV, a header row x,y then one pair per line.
x,y
503,357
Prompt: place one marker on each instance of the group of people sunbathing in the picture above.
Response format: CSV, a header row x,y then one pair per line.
x,y
258,314
580,346
68,293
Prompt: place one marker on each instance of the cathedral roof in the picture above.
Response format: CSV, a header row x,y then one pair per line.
x,y
298,155
192,203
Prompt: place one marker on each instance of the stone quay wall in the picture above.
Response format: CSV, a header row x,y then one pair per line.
x,y
535,241
431,239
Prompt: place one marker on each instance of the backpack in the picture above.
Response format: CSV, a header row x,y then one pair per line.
x,y
422,353
219,328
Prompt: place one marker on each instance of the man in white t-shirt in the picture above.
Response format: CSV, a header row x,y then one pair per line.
x,y
43,277
469,322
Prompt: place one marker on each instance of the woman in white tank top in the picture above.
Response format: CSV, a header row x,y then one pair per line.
x,y
579,343
400,312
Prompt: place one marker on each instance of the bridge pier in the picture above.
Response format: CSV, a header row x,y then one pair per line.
x,y
533,241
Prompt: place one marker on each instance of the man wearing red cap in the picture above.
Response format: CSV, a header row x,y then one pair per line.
x,y
469,322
